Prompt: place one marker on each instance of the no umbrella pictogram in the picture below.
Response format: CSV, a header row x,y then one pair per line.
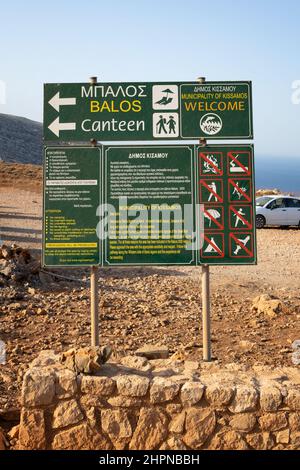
x,y
240,190
240,217
213,245
211,191
241,245
213,217
239,163
211,163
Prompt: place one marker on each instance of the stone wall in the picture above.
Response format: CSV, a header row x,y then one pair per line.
x,y
160,404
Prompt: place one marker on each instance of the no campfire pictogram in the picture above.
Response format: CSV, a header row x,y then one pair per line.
x,y
241,245
239,163
211,163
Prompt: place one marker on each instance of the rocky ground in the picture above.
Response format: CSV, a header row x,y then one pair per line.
x,y
143,305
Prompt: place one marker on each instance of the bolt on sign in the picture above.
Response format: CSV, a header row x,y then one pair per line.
x,y
149,205
147,111
227,197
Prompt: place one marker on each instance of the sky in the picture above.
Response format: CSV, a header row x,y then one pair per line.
x,y
158,40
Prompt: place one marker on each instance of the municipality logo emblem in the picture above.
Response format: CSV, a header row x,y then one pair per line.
x,y
211,124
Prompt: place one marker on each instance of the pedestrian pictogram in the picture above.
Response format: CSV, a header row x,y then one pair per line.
x,y
239,163
213,217
164,97
165,125
213,245
240,217
241,245
211,163
211,191
240,190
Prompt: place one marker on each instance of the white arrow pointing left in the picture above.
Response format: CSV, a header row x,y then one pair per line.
x,y
56,101
57,126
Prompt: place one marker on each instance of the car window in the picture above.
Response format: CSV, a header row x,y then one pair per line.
x,y
276,203
294,203
262,201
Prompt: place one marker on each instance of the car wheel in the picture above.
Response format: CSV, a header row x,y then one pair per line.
x,y
260,221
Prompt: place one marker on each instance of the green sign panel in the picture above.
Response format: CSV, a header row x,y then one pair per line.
x,y
71,199
227,198
149,205
147,111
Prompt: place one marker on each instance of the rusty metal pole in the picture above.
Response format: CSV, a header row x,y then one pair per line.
x,y
94,281
206,335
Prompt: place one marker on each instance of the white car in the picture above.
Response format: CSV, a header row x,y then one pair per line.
x,y
277,210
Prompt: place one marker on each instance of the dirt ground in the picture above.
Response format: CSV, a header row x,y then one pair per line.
x,y
142,305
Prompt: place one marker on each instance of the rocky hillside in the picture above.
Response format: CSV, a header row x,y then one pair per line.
x,y
20,140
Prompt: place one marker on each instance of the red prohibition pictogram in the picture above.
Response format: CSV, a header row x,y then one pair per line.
x,y
212,248
235,166
240,216
240,249
211,187
214,215
212,162
243,194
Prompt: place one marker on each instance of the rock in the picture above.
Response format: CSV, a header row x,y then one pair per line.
x,y
243,422
32,430
116,424
45,358
136,362
125,402
2,441
38,387
218,394
273,421
80,438
270,398
66,384
191,393
173,409
153,352
294,421
262,441
228,440
245,399
86,360
293,399
173,443
163,390
66,413
102,386
132,385
151,430
268,305
200,424
177,423
14,432
283,437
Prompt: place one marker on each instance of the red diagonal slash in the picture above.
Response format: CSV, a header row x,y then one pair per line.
x,y
249,225
237,241
240,191
215,247
240,163
211,163
213,219
212,191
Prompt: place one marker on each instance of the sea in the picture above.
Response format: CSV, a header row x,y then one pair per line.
x,y
282,173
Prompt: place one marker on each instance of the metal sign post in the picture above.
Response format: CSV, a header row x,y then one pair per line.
x,y
205,294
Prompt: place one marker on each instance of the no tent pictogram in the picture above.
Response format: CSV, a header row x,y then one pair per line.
x,y
211,163
211,191
213,245
240,190
240,217
241,245
213,217
239,163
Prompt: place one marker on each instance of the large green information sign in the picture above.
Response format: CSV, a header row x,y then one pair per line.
x,y
71,199
147,111
153,188
149,205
